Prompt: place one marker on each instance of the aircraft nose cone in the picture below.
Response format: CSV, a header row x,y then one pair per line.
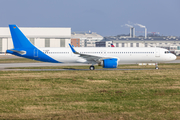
x,y
173,57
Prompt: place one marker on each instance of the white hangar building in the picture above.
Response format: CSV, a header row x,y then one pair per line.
x,y
40,37
87,39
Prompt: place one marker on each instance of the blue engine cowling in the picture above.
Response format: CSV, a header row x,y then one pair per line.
x,y
110,63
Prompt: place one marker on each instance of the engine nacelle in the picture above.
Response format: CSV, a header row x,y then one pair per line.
x,y
109,63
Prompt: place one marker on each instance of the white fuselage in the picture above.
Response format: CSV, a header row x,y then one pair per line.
x,y
124,55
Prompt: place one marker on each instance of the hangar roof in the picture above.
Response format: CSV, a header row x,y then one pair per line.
x,y
39,32
163,38
86,35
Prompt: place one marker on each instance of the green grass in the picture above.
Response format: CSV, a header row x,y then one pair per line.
x,y
121,94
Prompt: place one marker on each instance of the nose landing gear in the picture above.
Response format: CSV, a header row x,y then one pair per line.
x,y
156,64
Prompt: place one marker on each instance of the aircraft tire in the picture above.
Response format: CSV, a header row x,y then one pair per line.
x,y
91,68
156,68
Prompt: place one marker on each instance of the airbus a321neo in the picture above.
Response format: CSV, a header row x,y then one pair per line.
x,y
106,57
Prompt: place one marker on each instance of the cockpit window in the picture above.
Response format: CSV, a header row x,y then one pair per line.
x,y
167,52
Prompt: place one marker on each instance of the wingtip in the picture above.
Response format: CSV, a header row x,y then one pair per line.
x,y
73,50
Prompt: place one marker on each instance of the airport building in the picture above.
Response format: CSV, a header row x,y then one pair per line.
x,y
168,42
40,37
87,39
75,42
171,43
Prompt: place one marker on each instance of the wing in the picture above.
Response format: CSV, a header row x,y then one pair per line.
x,y
92,58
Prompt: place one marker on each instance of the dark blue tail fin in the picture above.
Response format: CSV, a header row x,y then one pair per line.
x,y
19,39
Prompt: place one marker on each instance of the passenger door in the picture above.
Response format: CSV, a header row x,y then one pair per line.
x,y
157,52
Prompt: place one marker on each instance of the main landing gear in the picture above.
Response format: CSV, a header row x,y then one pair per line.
x,y
156,64
91,67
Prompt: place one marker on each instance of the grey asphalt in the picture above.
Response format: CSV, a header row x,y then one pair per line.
x,y
5,66
10,65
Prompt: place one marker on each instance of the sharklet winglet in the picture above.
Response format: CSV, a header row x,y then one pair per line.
x,y
73,50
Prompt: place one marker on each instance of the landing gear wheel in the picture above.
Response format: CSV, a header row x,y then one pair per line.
x,y
156,68
156,64
91,68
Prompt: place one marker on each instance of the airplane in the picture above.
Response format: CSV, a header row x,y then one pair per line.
x,y
103,56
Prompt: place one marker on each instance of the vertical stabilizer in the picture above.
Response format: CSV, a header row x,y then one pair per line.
x,y
19,39
24,48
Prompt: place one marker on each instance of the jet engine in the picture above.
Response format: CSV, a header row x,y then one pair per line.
x,y
109,63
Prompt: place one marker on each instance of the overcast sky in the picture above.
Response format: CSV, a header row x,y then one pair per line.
x,y
106,17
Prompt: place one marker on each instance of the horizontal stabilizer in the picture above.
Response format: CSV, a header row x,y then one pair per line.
x,y
17,51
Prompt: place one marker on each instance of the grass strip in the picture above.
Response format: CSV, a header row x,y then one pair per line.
x,y
129,94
